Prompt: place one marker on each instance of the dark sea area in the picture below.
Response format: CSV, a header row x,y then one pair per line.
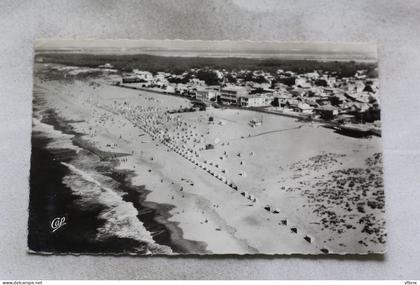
x,y
51,197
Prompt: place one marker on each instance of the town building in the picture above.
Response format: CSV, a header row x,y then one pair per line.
x,y
106,66
170,89
291,104
231,94
181,89
304,108
252,101
302,82
205,94
145,75
327,112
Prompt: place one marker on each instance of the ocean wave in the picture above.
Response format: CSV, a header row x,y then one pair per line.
x,y
59,140
120,216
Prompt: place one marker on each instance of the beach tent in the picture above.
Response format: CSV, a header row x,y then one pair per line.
x,y
252,198
308,239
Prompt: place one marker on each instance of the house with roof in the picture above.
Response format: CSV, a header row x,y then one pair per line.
x,y
206,94
302,82
230,94
291,104
304,108
253,100
145,75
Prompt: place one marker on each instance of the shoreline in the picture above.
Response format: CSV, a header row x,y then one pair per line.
x,y
159,212
78,235
159,215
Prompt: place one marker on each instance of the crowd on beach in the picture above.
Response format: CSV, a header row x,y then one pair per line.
x,y
187,138
181,136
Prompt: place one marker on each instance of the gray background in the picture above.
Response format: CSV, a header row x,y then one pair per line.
x,y
394,25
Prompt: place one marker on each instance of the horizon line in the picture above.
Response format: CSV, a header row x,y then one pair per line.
x,y
196,48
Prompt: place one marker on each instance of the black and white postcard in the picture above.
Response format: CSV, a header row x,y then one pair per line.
x,y
205,147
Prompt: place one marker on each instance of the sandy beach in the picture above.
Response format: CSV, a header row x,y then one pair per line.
x,y
246,194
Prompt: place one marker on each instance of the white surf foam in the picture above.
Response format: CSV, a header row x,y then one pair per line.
x,y
58,138
120,216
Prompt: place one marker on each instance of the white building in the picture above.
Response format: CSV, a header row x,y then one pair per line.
x,y
231,94
170,89
196,82
305,108
205,94
302,82
106,66
253,101
181,89
145,75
